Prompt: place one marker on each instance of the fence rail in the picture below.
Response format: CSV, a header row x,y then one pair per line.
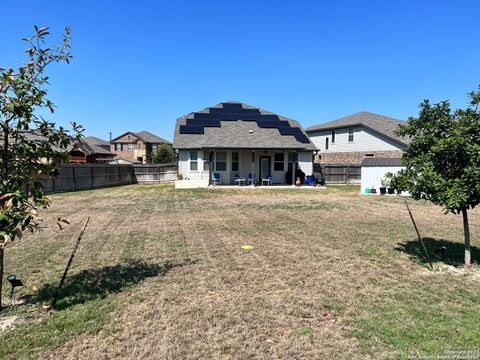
x,y
341,174
75,177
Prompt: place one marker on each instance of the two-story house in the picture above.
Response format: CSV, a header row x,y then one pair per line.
x,y
137,146
349,140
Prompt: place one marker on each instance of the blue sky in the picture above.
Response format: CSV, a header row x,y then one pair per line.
x,y
141,64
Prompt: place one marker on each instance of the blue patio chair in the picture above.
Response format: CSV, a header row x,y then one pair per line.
x,y
251,179
237,179
310,180
267,180
216,179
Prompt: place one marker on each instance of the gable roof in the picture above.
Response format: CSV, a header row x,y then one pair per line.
x,y
145,136
92,145
233,124
380,123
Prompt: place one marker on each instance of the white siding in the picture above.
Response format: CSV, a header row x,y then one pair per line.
x,y
373,175
305,161
364,140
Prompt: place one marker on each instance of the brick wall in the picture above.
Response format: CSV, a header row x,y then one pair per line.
x,y
354,158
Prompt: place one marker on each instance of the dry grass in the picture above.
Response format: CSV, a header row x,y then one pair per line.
x,y
162,274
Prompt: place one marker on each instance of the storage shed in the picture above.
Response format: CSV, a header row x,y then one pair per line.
x,y
374,169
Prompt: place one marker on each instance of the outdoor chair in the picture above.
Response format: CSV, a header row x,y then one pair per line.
x,y
267,180
216,179
238,179
251,179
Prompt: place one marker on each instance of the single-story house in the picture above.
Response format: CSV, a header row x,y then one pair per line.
x,y
350,139
233,139
374,171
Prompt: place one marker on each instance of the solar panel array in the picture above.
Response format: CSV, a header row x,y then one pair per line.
x,y
235,112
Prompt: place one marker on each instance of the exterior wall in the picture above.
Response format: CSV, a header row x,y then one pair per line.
x,y
141,149
125,140
354,158
372,176
245,165
365,141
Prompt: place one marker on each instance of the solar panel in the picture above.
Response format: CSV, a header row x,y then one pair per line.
x,y
232,106
191,129
235,112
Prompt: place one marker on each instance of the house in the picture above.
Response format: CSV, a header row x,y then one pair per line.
x,y
90,149
374,171
236,139
351,139
136,146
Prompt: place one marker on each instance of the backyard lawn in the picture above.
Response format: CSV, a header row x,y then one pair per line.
x,y
161,274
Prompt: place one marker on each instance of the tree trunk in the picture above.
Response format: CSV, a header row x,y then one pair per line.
x,y
466,232
1,274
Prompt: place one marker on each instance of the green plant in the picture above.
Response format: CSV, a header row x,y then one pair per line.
x,y
163,154
443,159
387,179
31,147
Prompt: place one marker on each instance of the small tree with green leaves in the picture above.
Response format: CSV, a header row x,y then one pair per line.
x,y
163,154
31,147
443,159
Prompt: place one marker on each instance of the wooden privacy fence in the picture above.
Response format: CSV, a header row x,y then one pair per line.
x,y
152,173
74,177
341,174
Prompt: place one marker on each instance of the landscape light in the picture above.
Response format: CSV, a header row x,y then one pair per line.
x,y
12,279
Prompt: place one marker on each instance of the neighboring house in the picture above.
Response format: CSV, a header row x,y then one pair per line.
x,y
233,138
90,149
374,170
124,161
136,146
347,141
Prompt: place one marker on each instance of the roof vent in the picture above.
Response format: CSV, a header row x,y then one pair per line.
x,y
250,131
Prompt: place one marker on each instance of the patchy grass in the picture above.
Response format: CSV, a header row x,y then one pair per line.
x,y
161,273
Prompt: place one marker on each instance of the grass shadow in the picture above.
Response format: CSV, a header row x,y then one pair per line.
x,y
93,284
453,253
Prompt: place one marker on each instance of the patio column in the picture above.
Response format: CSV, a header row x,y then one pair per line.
x,y
253,167
210,167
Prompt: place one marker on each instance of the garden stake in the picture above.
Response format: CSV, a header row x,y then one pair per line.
x,y
418,234
69,263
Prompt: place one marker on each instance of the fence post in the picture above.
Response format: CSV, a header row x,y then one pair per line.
x,y
92,176
348,175
74,178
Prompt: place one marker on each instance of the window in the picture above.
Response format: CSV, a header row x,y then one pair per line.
x,y
131,147
292,157
369,155
193,160
118,147
278,161
333,136
221,161
326,143
235,161
350,134
154,147
206,160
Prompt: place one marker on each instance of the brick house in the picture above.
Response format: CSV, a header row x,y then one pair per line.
x,y
136,146
349,140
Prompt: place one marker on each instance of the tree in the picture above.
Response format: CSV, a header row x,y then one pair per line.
x,y
163,154
443,159
31,147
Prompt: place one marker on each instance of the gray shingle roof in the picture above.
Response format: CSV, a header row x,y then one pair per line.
x,y
380,123
238,134
93,145
372,162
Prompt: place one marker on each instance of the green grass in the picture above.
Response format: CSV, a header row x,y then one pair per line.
x,y
161,273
